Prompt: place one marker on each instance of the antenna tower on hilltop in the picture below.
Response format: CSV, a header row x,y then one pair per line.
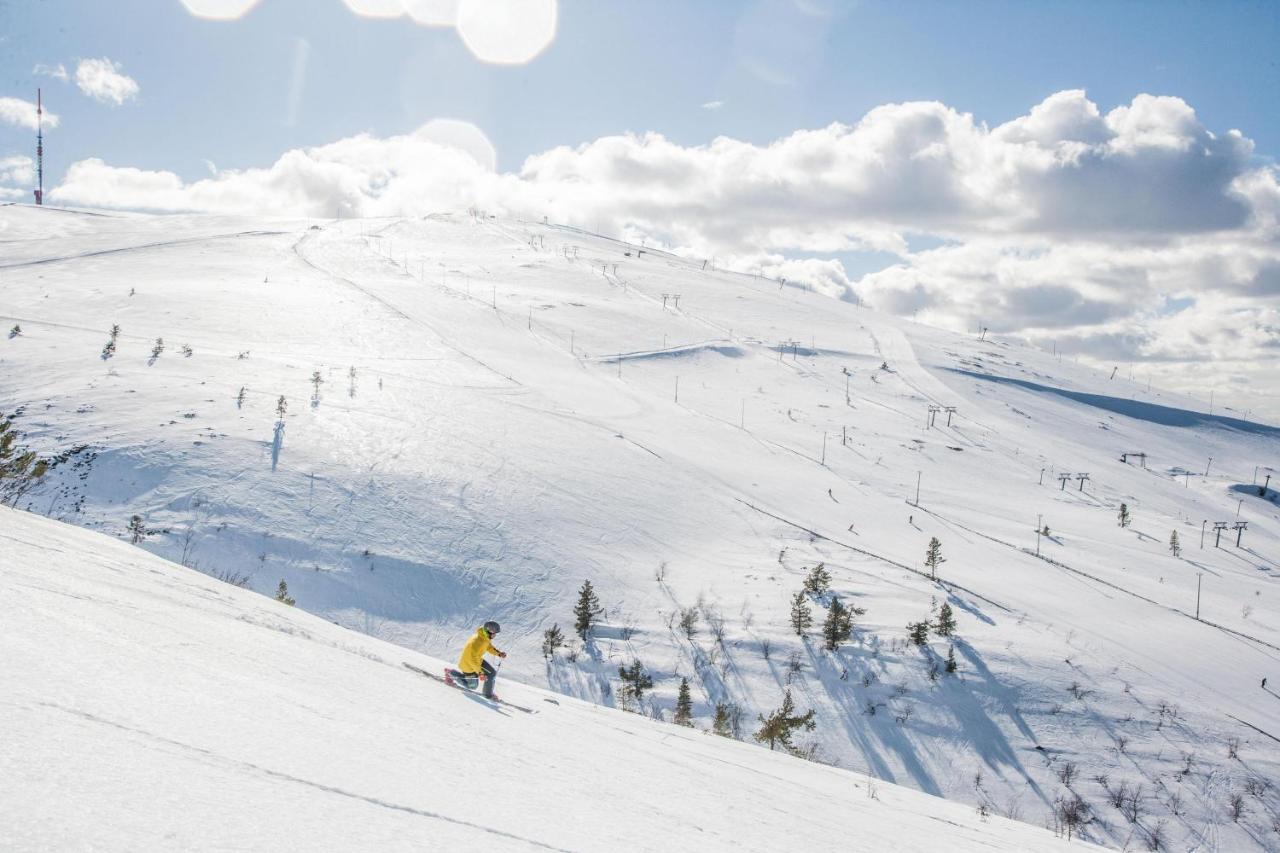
x,y
39,148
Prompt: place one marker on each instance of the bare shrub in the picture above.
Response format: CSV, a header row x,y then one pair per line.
x,y
689,621
1132,806
1256,786
1070,813
1233,747
1235,806
1067,772
1155,836
232,577
766,648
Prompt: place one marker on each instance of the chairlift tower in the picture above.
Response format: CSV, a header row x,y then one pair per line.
x,y
1218,527
1239,528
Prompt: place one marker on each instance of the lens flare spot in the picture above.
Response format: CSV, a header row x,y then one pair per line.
x,y
462,135
376,8
507,32
219,10
432,13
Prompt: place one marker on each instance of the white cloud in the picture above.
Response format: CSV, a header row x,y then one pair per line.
x,y
102,80
17,169
713,105
1066,224
57,72
23,113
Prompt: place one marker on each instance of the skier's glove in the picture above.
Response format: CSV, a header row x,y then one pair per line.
x,y
502,654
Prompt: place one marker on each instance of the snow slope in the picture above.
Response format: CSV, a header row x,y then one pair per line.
x,y
148,707
509,408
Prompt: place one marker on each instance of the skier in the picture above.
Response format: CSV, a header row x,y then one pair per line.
x,y
472,666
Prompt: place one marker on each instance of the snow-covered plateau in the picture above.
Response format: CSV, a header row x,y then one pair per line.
x,y
421,424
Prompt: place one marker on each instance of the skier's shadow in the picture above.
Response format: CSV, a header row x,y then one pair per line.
x,y
480,700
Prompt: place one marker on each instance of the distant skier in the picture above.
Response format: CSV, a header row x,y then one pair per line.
x,y
1264,684
472,667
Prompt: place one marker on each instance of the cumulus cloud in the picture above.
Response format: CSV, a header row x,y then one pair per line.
x,y
102,80
17,169
23,113
1131,234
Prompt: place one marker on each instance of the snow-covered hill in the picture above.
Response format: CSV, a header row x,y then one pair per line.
x,y
147,707
508,408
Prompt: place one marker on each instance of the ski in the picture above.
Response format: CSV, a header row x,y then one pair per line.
x,y
447,683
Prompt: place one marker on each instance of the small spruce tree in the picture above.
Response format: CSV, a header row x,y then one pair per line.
x,y
552,639
951,666
587,610
778,728
158,348
240,397
918,632
635,681
684,705
1175,547
946,621
933,557
838,626
137,529
801,615
818,581
282,406
1123,515
316,381
15,331
282,594
721,723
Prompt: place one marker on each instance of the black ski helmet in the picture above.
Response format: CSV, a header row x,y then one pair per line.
x,y
492,627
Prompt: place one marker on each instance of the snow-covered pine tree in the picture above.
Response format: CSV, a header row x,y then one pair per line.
x,y
778,727
1175,547
316,381
282,594
818,581
137,529
587,610
946,625
282,406
933,557
158,348
720,723
838,626
552,639
918,632
684,705
951,666
1123,515
801,615
240,397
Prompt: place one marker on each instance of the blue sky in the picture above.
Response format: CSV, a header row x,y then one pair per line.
x,y
221,90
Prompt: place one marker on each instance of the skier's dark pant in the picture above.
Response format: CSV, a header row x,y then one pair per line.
x,y
469,679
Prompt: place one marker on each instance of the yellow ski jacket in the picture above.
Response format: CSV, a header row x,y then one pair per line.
x,y
474,651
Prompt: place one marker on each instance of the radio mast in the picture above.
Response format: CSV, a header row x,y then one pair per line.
x,y
39,149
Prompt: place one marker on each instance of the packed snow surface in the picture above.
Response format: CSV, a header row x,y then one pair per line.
x,y
502,409
148,707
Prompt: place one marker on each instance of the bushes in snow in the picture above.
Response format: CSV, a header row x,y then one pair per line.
x,y
282,594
